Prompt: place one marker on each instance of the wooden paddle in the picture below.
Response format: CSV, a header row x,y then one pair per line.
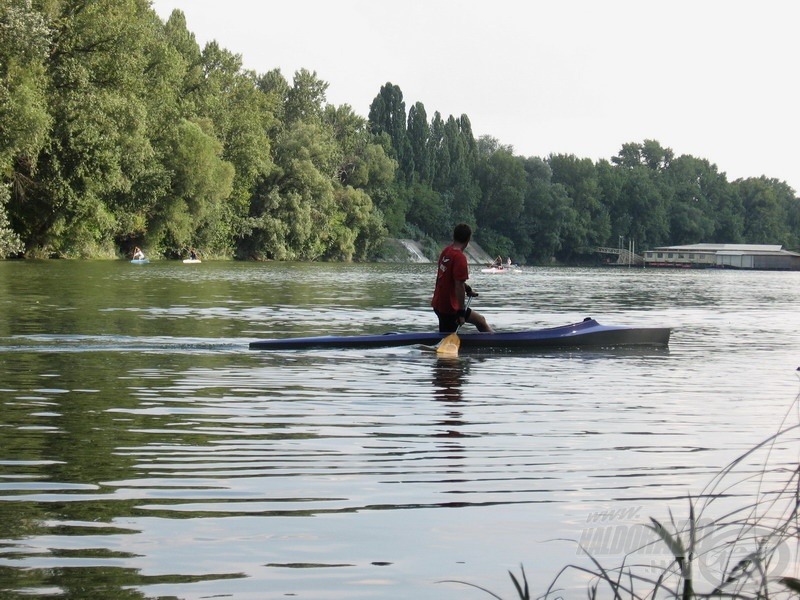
x,y
449,346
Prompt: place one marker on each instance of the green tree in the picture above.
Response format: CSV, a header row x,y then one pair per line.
x,y
692,182
439,153
362,162
587,221
290,216
387,114
767,203
25,120
648,154
540,232
10,242
503,184
427,211
419,139
306,98
462,151
99,145
201,181
241,116
357,230
610,180
643,199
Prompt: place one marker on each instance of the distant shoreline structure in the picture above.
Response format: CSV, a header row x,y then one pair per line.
x,y
724,256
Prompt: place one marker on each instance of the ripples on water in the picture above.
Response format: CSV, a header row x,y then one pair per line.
x,y
146,452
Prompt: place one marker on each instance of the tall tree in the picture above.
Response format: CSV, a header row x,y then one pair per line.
x,y
643,198
202,181
99,144
539,232
503,184
419,139
241,115
692,183
439,152
25,120
589,224
387,114
306,98
766,204
463,160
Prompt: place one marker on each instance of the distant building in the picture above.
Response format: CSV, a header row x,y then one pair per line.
x,y
724,256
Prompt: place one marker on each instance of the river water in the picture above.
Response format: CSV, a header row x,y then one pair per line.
x,y
146,452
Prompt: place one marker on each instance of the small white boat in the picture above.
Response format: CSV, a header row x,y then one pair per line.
x,y
191,261
500,270
140,261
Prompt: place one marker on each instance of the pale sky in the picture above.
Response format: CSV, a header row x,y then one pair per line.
x,y
717,79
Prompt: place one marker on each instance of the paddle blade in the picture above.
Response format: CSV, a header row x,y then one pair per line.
x,y
449,346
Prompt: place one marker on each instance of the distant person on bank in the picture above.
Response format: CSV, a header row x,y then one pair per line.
x,y
451,286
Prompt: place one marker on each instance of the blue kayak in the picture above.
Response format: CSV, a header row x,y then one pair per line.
x,y
140,261
585,334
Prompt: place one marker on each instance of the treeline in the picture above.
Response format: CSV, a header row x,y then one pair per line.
x,y
117,129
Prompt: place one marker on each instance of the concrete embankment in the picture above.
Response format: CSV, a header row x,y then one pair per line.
x,y
413,252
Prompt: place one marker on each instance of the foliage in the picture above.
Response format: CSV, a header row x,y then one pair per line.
x,y
10,243
117,129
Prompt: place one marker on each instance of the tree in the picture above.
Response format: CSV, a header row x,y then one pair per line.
x,y
587,222
766,204
419,140
428,211
291,212
610,180
25,120
387,114
362,163
503,184
10,242
306,98
241,115
201,181
692,182
462,151
98,145
540,231
439,152
649,154
642,198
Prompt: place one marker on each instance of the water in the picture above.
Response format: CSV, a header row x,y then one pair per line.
x,y
146,452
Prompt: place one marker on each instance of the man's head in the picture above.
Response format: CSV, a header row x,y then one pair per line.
x,y
462,233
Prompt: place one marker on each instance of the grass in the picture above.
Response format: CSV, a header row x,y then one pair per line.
x,y
748,552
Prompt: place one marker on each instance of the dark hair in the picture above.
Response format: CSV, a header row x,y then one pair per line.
x,y
462,233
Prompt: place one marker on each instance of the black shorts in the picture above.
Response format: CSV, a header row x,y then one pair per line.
x,y
449,323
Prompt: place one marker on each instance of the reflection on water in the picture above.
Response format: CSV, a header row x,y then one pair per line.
x,y
448,377
145,452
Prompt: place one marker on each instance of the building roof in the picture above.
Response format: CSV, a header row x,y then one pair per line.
x,y
729,249
722,248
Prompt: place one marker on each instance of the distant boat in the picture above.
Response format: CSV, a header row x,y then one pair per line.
x,y
140,261
191,261
500,270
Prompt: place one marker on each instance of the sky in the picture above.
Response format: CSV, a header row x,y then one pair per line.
x,y
716,79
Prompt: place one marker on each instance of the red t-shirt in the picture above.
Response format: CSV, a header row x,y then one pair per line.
x,y
452,267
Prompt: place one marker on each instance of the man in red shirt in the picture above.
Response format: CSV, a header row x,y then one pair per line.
x,y
451,286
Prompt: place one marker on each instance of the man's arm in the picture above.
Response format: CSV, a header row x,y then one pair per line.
x,y
461,290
